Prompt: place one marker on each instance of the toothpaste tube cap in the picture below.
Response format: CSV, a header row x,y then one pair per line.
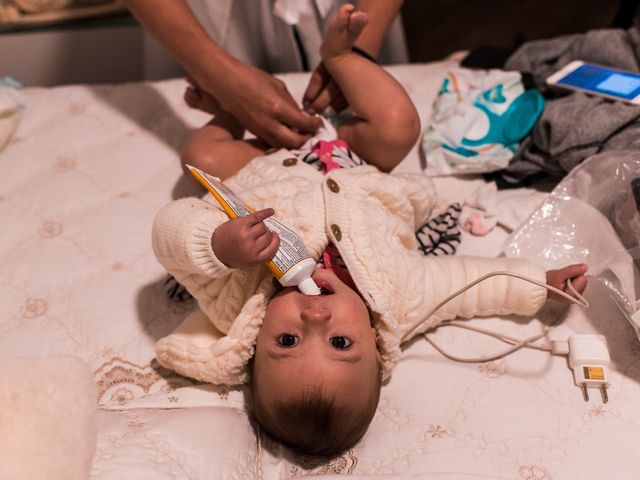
x,y
309,287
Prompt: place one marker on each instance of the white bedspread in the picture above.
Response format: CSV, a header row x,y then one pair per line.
x,y
80,183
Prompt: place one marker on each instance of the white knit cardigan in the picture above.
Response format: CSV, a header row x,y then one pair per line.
x,y
370,216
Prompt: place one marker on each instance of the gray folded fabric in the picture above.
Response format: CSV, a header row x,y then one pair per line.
x,y
541,58
575,126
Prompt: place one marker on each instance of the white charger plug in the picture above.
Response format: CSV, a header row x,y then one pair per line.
x,y
589,358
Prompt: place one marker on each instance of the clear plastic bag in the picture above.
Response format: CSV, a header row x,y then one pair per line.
x,y
591,216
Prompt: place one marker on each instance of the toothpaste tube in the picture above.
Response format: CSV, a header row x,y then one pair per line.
x,y
292,265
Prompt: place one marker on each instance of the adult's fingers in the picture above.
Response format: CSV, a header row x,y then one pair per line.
x,y
283,136
190,80
318,80
286,111
302,122
276,132
339,103
329,95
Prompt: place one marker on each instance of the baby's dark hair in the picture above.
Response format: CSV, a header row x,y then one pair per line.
x,y
314,424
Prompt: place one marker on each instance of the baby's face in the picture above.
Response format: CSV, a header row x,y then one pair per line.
x,y
310,341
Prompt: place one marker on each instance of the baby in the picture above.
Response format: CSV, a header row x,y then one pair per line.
x,y
316,363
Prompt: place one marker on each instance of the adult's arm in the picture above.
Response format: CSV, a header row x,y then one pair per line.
x,y
259,101
322,91
381,15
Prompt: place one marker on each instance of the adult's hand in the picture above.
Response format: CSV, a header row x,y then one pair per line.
x,y
322,92
262,104
259,101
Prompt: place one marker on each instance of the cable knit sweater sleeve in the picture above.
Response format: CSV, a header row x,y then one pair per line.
x,y
499,295
181,240
421,283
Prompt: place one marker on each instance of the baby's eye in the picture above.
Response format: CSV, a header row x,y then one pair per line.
x,y
340,342
288,340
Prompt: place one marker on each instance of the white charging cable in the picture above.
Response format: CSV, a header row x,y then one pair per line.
x,y
588,354
555,347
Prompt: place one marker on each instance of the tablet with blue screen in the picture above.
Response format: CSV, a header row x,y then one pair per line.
x,y
598,80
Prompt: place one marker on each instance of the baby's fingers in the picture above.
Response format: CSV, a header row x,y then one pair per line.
x,y
268,250
575,270
257,227
262,240
559,279
318,80
260,215
578,283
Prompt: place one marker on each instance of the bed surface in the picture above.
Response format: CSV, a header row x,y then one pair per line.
x,y
81,181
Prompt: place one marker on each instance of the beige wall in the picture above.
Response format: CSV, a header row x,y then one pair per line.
x,y
64,55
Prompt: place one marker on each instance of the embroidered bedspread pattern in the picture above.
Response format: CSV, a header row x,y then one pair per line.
x,y
81,182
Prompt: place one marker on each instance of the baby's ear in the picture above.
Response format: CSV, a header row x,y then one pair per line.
x,y
373,317
378,353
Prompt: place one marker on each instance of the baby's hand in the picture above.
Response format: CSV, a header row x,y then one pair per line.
x,y
558,279
245,242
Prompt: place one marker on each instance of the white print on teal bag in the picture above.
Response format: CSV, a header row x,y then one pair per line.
x,y
478,120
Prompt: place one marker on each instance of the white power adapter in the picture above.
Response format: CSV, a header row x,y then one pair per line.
x,y
589,358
